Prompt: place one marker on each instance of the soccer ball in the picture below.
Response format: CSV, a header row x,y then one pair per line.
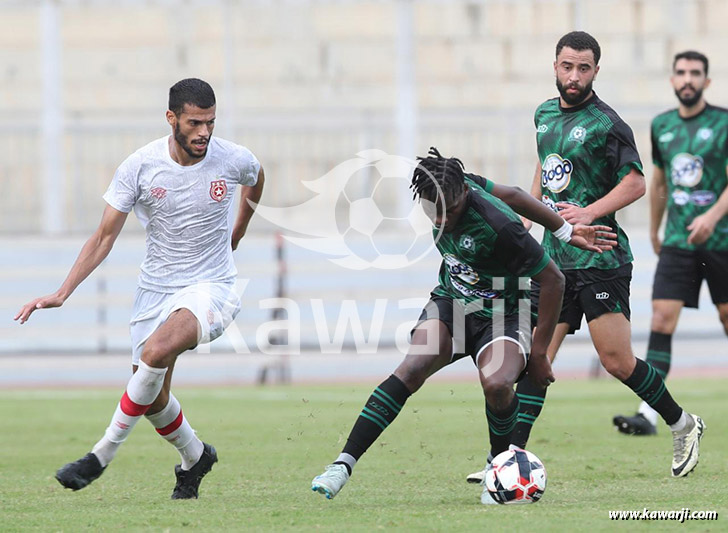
x,y
516,476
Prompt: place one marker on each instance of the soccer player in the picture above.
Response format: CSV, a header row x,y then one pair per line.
x,y
588,169
487,256
690,145
182,188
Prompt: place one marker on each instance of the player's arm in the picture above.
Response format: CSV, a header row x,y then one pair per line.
x,y
631,188
95,250
658,202
592,238
551,281
249,198
702,227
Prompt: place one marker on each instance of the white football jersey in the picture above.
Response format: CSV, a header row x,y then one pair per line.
x,y
187,211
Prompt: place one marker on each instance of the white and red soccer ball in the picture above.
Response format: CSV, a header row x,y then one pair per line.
x,y
515,476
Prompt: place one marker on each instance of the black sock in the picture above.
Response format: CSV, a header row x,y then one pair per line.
x,y
648,385
500,425
531,400
381,409
659,352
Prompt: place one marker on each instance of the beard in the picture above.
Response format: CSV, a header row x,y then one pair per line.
x,y
574,99
691,101
183,141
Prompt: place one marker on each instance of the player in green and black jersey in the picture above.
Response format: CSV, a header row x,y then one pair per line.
x,y
588,169
480,308
689,180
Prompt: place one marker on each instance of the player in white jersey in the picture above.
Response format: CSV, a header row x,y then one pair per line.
x,y
182,188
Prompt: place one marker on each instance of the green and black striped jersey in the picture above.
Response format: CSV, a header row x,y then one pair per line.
x,y
584,153
693,152
488,253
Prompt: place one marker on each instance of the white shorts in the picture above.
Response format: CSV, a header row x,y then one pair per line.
x,y
215,306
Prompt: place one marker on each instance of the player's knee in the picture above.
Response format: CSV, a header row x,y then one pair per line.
x,y
155,355
498,392
662,322
617,364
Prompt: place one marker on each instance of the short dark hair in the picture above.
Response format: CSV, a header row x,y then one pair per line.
x,y
436,173
580,40
190,91
691,54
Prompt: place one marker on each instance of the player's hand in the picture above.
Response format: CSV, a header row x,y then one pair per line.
x,y
656,244
539,370
701,228
593,238
526,223
44,302
574,214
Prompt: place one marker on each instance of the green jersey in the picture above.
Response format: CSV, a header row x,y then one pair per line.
x,y
693,152
487,254
584,153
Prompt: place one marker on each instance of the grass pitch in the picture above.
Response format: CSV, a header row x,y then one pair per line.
x,y
272,441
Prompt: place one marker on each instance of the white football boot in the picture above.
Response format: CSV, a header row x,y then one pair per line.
x,y
331,481
686,446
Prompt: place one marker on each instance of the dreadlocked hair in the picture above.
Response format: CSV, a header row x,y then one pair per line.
x,y
435,174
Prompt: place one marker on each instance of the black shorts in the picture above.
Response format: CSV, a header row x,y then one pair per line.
x,y
591,292
680,274
478,332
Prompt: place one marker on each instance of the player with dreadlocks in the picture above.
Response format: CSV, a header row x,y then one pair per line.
x,y
480,307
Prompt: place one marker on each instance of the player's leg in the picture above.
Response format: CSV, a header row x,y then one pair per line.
x,y
500,363
676,284
214,305
171,424
714,266
665,315
177,334
532,396
611,336
431,349
723,316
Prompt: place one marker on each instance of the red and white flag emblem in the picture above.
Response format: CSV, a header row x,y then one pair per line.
x,y
218,190
158,192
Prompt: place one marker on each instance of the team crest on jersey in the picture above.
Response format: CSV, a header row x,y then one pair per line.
x,y
218,190
704,134
542,128
687,169
577,134
158,192
467,243
556,173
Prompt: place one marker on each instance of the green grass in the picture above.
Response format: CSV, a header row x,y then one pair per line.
x,y
272,441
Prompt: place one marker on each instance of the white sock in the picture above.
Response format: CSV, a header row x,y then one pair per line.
x,y
142,389
172,425
681,424
648,412
347,459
